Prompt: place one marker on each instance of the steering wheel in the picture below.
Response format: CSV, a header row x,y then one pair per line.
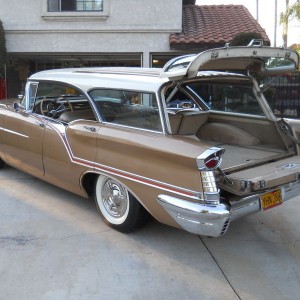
x,y
54,107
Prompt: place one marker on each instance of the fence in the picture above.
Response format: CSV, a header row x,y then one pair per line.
x,y
283,95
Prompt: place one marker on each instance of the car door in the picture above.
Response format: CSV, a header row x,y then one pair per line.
x,y
69,145
22,140
69,152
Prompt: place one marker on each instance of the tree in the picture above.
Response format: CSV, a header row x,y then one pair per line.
x,y
2,46
244,38
291,12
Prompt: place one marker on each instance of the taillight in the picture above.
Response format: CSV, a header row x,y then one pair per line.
x,y
210,159
212,163
208,182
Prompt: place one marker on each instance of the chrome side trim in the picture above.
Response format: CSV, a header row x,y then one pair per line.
x,y
14,132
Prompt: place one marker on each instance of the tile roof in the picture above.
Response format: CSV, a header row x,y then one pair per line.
x,y
208,26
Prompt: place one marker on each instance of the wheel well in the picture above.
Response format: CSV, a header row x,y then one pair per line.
x,y
88,182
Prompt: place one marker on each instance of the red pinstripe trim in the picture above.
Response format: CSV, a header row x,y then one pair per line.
x,y
117,172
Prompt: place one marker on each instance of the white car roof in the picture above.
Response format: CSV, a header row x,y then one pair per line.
x,y
146,79
127,78
256,57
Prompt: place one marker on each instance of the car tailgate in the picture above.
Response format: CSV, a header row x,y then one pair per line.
x,y
259,178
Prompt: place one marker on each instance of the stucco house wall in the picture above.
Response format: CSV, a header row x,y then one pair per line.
x,y
139,26
126,31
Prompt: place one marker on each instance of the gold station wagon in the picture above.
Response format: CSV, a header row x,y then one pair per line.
x,y
193,144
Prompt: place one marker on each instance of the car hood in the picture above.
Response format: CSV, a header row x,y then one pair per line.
x,y
258,59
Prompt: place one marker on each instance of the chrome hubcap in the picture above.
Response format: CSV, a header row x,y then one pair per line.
x,y
114,198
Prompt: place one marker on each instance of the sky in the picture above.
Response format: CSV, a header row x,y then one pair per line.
x,y
266,17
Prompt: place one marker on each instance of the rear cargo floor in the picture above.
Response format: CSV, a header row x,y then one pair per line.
x,y
257,168
239,157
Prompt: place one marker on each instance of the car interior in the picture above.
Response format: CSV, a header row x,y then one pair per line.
x,y
227,115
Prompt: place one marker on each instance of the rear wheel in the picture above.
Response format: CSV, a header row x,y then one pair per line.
x,y
118,208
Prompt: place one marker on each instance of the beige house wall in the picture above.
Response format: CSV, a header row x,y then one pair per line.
x,y
133,26
126,32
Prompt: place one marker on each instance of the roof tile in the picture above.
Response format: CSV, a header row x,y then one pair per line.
x,y
215,24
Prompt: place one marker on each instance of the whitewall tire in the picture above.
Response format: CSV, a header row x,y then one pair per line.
x,y
118,208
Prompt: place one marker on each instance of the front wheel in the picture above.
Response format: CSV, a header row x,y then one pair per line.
x,y
118,208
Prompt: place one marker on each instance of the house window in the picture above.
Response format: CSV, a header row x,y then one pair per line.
x,y
83,5
74,5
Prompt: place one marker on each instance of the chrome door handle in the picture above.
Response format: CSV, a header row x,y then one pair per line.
x,y
40,124
92,129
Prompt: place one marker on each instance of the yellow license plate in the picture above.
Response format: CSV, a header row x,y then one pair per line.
x,y
271,199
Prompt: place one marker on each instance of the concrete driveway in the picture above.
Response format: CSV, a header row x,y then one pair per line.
x,y
53,245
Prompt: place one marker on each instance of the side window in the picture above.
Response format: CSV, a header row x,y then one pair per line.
x,y
229,97
128,108
61,102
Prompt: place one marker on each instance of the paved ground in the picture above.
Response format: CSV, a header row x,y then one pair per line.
x,y
53,245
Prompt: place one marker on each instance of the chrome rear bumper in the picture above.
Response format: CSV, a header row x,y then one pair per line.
x,y
213,220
